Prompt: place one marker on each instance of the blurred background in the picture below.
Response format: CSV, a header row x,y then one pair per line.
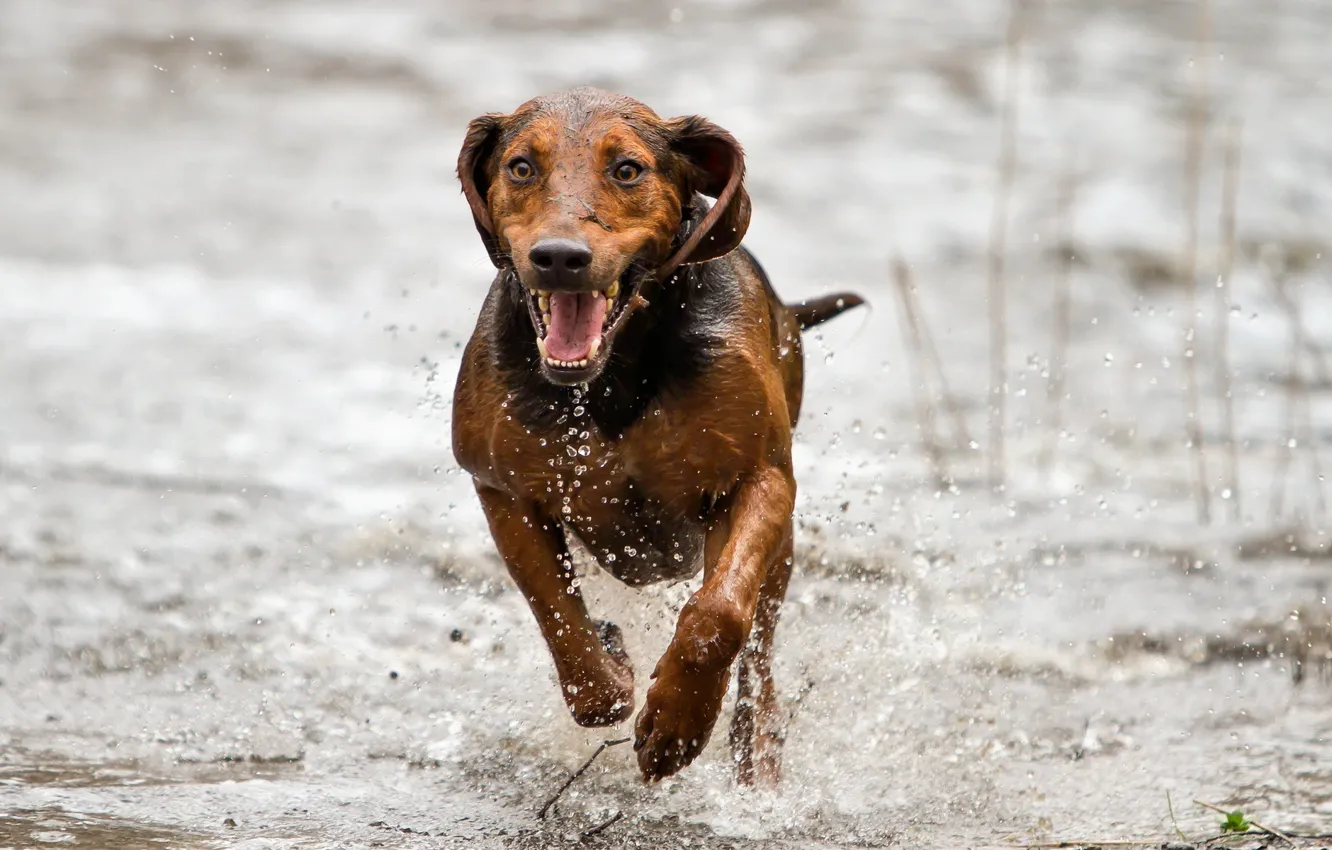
x,y
247,599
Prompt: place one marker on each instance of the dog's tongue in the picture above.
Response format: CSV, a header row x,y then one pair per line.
x,y
575,321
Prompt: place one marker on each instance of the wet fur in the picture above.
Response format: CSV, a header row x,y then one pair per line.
x,y
676,454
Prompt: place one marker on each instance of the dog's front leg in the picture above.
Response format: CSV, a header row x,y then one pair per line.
x,y
597,687
745,537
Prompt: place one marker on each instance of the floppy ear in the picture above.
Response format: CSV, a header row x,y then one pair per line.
x,y
717,169
474,174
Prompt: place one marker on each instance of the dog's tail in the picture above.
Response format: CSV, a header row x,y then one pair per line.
x,y
816,311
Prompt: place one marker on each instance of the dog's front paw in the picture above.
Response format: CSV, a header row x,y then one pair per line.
x,y
678,716
602,697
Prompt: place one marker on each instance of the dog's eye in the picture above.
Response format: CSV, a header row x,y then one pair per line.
x,y
521,169
628,171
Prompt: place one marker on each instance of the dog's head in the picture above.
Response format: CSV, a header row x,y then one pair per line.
x,y
586,195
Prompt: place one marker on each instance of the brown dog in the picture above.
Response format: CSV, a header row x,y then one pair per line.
x,y
632,382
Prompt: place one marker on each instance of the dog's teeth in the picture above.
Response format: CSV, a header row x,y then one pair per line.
x,y
610,305
613,291
561,364
541,347
596,346
545,317
544,303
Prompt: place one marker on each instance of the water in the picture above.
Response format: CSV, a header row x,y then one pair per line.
x,y
241,579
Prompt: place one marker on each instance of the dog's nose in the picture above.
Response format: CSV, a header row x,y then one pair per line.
x,y
561,263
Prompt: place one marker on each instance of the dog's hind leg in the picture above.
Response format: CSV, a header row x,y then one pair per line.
x,y
612,640
757,727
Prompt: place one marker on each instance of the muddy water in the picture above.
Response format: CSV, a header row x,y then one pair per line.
x,y
247,601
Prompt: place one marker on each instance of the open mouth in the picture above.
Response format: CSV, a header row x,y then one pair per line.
x,y
574,329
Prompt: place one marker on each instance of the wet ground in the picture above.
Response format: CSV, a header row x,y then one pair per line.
x,y
246,599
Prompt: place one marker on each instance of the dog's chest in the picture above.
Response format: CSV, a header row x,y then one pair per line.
x,y
640,541
636,503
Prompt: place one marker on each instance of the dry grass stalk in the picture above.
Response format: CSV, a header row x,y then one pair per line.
x,y
1286,448
1063,317
997,288
1297,405
1090,844
602,827
1318,357
961,432
1322,372
946,394
925,414
1197,125
1225,268
545,808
